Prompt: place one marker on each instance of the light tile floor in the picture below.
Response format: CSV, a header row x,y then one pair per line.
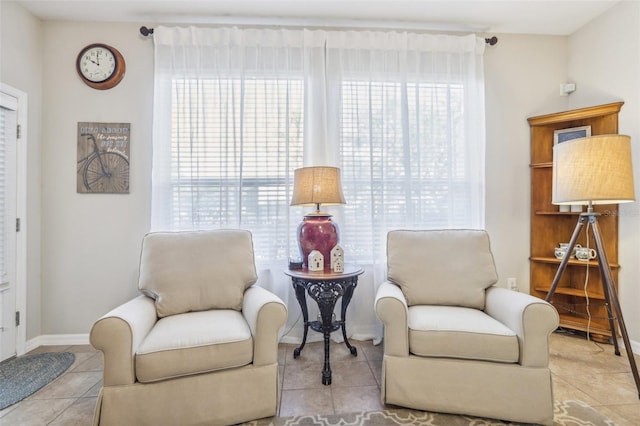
x,y
581,370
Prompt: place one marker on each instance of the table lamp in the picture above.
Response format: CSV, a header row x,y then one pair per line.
x,y
588,171
317,186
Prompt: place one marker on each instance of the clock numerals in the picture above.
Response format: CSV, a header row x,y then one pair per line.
x,y
101,66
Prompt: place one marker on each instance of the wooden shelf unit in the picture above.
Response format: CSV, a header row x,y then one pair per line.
x,y
549,227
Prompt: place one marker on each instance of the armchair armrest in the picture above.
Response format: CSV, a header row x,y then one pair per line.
x,y
532,319
118,334
266,314
391,309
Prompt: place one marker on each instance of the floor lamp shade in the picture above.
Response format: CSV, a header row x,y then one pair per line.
x,y
593,170
315,186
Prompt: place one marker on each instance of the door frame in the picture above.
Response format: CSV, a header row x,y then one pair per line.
x,y
21,212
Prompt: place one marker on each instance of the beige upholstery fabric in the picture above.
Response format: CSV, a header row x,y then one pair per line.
x,y
193,368
195,342
119,334
196,271
441,267
477,388
225,397
455,332
529,317
489,362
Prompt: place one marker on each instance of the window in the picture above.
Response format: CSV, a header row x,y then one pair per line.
x,y
234,145
403,160
237,111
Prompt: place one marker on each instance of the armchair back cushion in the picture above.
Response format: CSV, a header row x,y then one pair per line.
x,y
441,267
197,270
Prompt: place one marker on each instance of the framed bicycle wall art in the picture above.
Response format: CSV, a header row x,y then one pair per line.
x,y
103,158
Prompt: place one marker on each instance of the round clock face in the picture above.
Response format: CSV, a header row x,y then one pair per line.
x,y
97,64
100,66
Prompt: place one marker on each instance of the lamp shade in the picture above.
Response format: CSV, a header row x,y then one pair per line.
x,y
593,170
317,185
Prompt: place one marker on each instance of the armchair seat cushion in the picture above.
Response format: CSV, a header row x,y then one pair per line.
x,y
193,343
458,332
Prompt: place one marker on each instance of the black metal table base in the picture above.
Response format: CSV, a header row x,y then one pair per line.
x,y
326,293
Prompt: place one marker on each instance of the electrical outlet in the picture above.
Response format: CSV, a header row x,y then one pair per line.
x,y
512,284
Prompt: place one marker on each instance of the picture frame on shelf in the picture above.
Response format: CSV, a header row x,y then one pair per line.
x,y
563,135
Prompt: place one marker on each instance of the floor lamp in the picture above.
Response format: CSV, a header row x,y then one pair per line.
x,y
588,171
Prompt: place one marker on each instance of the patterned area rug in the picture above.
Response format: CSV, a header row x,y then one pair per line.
x,y
566,413
22,376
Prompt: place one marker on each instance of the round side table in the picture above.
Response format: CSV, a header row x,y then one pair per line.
x,y
325,287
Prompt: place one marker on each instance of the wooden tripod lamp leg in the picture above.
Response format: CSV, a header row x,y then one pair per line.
x,y
609,289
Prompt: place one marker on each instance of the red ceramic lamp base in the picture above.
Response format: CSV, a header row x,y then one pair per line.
x,y
317,232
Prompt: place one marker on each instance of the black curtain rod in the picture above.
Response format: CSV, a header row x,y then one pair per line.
x,y
491,41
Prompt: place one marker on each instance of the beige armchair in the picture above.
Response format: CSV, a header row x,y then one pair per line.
x,y
200,346
453,342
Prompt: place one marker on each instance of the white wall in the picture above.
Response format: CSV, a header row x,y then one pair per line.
x,y
522,75
91,242
604,61
21,68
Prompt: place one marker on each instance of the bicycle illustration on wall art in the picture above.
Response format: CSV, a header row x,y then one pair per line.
x,y
103,158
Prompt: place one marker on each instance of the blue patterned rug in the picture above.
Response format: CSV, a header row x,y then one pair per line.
x,y
24,375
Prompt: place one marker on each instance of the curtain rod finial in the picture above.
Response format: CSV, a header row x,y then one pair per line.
x,y
146,31
491,41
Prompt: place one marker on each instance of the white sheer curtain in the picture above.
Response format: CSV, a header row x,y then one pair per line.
x,y
236,111
409,109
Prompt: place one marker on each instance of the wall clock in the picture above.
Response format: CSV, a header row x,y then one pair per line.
x,y
100,66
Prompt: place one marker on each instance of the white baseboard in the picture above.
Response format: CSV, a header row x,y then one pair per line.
x,y
635,346
57,340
